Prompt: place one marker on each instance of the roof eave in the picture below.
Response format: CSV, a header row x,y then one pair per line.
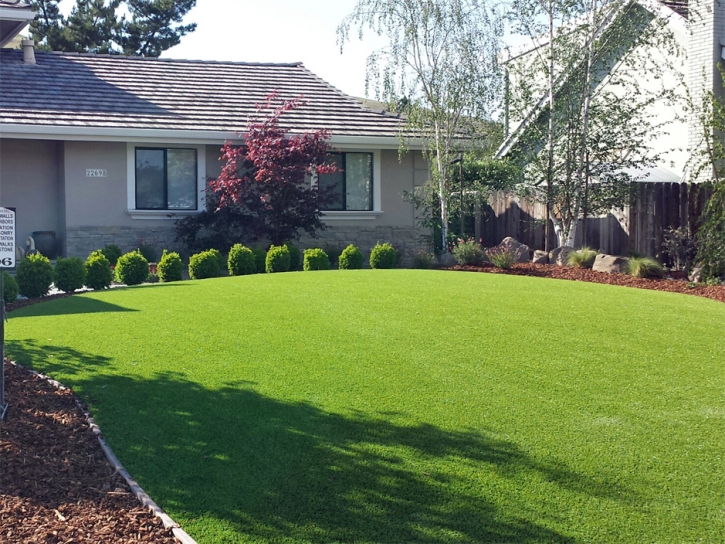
x,y
21,17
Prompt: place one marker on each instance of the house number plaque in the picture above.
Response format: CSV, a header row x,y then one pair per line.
x,y
96,173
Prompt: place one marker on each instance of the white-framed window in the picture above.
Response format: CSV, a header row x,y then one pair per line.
x,y
165,180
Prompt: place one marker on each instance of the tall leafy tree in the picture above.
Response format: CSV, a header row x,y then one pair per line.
x,y
439,69
129,27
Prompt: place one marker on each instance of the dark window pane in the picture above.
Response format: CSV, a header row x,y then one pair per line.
x,y
359,181
150,179
181,177
336,180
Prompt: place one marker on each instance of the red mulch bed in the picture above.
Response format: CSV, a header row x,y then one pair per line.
x,y
56,485
677,284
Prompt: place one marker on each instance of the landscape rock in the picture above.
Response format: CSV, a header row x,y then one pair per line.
x,y
611,264
520,251
560,255
447,259
540,257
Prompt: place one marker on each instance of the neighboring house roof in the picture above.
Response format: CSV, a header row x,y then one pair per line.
x,y
14,16
118,92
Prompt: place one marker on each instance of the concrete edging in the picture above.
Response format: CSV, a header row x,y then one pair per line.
x,y
143,497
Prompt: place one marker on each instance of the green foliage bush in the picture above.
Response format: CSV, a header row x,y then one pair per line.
x,y
206,264
132,268
112,252
333,252
423,260
241,261
221,259
294,256
260,258
69,274
383,256
351,258
583,258
170,267
98,271
644,267
34,275
149,252
315,259
468,252
501,257
277,259
10,288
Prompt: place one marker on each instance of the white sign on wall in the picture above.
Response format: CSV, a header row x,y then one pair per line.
x,y
7,238
96,173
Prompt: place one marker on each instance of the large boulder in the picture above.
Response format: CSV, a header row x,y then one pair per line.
x,y
521,252
560,255
611,264
447,259
540,257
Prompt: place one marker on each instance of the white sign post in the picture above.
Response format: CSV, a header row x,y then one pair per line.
x,y
7,260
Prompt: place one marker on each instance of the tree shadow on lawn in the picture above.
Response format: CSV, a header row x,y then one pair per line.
x,y
67,306
276,470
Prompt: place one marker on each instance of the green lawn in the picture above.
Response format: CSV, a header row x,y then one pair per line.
x,y
403,405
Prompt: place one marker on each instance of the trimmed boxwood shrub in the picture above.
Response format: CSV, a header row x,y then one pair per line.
x,y
277,259
10,288
294,256
241,261
260,259
220,258
98,271
351,258
383,256
69,274
170,267
112,252
34,275
316,259
132,268
204,265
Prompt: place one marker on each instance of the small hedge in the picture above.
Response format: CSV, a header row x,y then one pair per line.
x,y
10,288
260,259
132,268
383,256
241,261
294,256
351,258
112,252
278,259
206,264
315,259
69,274
34,275
170,267
98,271
221,259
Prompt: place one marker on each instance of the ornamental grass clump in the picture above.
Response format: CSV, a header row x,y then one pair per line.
x,y
34,275
351,258
468,252
315,259
206,264
10,288
98,271
132,268
69,274
241,261
501,257
423,260
383,256
170,267
278,259
644,267
583,258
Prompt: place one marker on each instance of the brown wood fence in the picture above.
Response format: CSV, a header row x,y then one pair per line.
x,y
638,228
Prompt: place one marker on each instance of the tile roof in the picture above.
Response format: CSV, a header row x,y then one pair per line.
x,y
678,6
112,91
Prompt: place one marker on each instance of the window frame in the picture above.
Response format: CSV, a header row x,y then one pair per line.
x,y
344,207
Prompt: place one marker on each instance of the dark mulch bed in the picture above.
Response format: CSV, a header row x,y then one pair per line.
x,y
677,284
55,482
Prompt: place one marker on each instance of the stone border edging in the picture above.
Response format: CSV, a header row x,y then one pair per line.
x,y
143,497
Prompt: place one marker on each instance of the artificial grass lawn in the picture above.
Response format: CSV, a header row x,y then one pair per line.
x,y
390,406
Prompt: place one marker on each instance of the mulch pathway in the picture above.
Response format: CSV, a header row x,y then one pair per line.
x,y
56,485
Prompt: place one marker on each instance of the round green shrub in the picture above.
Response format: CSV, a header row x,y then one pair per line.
x,y
204,265
294,256
220,258
277,259
260,259
34,275
351,258
170,267
316,259
383,256
132,268
69,274
241,261
112,252
98,271
10,288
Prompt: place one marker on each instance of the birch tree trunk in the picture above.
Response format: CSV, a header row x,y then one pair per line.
x,y
550,142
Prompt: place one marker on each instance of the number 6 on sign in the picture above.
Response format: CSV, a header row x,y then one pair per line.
x,y
7,238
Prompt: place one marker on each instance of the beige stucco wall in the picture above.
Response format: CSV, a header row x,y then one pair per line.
x,y
30,182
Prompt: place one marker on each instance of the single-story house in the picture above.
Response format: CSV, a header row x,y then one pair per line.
x,y
107,149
